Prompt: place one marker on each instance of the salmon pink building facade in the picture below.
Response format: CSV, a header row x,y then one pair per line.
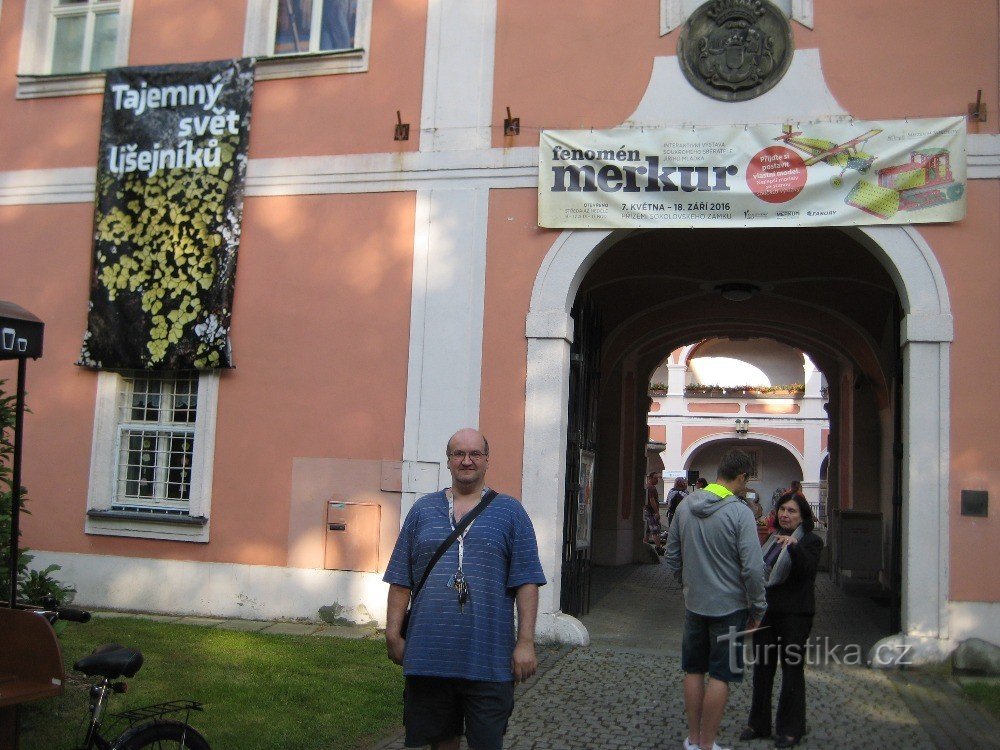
x,y
394,284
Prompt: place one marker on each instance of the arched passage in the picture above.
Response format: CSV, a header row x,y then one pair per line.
x,y
752,437
805,317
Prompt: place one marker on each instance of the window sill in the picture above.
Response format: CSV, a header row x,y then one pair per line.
x,y
301,65
147,525
305,64
151,517
62,84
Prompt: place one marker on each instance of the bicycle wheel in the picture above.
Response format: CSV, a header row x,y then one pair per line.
x,y
165,734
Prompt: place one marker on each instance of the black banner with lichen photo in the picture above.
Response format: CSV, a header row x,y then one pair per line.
x,y
168,214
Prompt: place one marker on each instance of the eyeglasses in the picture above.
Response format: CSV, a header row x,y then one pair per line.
x,y
475,456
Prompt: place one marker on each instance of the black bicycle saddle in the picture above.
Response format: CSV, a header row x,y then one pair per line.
x,y
112,660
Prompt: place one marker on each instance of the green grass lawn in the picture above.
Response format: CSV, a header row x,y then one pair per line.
x,y
261,691
987,693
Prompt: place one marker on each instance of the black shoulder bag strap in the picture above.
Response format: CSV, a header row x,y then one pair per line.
x,y
462,525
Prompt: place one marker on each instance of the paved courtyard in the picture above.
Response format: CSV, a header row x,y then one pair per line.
x,y
623,691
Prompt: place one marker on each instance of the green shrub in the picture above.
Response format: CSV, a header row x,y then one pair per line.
x,y
32,585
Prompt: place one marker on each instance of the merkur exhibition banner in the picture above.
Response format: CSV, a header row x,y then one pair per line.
x,y
808,174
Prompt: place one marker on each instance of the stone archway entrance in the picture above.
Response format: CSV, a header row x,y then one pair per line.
x,y
924,334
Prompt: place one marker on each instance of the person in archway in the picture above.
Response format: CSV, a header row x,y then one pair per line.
x,y
674,497
713,547
652,482
459,654
753,503
791,556
775,498
701,483
651,515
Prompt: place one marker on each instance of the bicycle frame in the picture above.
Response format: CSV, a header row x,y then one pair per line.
x,y
135,718
126,725
99,695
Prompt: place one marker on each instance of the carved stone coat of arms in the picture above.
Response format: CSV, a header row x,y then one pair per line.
x,y
734,50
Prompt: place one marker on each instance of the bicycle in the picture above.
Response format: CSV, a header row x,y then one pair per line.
x,y
145,728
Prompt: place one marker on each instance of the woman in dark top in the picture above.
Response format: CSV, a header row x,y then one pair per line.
x,y
790,558
674,497
651,515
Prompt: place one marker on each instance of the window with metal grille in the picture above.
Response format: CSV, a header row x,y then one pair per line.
x,y
155,443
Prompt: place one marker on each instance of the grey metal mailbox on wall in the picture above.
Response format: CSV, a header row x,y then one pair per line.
x,y
860,541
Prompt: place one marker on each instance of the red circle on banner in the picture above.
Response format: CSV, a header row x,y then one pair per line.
x,y
776,175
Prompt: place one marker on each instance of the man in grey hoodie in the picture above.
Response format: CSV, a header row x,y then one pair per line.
x,y
713,547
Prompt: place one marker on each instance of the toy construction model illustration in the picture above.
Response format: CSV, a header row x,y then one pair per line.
x,y
924,181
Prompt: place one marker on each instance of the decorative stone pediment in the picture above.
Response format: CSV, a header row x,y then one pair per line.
x,y
800,95
673,13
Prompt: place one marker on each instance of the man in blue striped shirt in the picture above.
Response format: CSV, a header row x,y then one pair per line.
x,y
461,654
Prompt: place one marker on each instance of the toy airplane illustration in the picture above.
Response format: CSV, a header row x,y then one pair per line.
x,y
844,155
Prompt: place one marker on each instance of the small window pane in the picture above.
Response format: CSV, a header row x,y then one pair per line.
x,y
185,401
105,41
67,49
72,2
139,464
337,25
179,467
294,25
145,400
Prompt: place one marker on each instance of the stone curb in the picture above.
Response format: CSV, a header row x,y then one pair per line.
x,y
319,629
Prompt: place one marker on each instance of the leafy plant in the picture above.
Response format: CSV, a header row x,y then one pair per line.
x,y
701,388
32,585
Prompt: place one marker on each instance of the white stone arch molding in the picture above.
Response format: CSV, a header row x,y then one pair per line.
x,y
549,330
687,351
926,333
727,434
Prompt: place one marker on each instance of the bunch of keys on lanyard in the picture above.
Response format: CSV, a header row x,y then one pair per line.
x,y
457,580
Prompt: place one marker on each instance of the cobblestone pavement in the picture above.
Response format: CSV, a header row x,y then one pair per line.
x,y
623,692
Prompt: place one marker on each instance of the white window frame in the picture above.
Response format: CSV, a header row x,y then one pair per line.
x,y
101,519
89,13
35,78
258,41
